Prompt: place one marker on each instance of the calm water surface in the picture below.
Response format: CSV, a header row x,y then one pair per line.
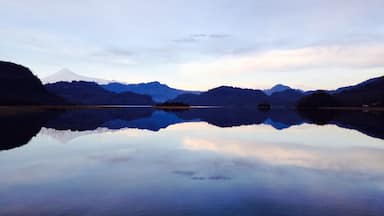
x,y
215,162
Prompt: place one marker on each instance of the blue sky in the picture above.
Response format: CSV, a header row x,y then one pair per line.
x,y
199,44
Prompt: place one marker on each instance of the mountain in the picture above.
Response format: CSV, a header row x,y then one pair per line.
x,y
159,92
90,93
287,98
224,96
368,93
18,86
364,83
68,76
317,99
231,96
276,88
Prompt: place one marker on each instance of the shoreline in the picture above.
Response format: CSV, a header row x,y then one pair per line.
x,y
69,107
353,108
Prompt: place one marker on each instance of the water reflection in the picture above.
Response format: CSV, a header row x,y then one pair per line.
x,y
18,128
206,162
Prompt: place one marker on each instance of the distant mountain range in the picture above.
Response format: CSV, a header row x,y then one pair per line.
x,y
231,96
369,93
20,87
158,91
224,96
90,93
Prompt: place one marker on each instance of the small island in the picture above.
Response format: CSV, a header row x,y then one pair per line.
x,y
264,107
172,106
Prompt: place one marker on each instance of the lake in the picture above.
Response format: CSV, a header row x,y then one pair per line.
x,y
235,162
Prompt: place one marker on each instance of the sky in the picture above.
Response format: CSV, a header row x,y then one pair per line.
x,y
199,44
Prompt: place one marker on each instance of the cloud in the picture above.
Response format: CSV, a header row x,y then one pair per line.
x,y
347,57
195,38
118,52
114,55
219,36
186,40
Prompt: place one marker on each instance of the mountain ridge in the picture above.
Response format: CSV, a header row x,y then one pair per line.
x,y
158,91
90,93
19,86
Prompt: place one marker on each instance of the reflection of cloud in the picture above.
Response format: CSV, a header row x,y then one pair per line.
x,y
198,178
219,36
263,152
115,157
192,174
41,171
356,159
219,178
112,159
184,172
66,136
344,56
187,126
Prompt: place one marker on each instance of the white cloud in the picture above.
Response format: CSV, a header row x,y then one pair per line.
x,y
307,58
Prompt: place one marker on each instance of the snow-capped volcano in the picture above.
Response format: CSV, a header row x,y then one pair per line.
x,y
68,76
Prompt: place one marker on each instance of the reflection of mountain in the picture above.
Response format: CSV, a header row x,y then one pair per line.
x,y
18,128
65,136
155,122
369,123
91,119
228,117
